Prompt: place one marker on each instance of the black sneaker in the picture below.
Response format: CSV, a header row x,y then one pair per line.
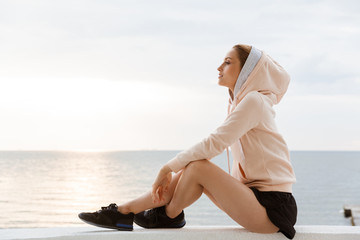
x,y
109,217
157,218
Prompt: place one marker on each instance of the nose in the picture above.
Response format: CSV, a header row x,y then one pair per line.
x,y
219,68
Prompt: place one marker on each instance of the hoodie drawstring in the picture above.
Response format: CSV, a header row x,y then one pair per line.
x,y
227,153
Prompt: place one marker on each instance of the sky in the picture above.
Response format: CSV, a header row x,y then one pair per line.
x,y
142,75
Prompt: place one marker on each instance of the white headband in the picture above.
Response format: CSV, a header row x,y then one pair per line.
x,y
250,63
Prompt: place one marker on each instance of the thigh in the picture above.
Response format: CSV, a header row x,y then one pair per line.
x,y
212,199
234,197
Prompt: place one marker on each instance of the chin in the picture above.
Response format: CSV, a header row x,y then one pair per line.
x,y
221,83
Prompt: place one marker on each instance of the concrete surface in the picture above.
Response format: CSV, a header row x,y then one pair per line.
x,y
188,232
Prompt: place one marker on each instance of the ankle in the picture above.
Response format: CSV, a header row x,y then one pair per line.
x,y
170,212
124,209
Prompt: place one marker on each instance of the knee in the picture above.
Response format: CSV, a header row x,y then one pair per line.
x,y
196,166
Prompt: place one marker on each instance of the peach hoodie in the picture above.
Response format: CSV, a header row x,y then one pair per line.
x,y
260,154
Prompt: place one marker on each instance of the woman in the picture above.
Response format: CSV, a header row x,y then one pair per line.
x,y
257,194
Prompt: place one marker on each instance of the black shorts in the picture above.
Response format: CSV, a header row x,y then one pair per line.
x,y
281,209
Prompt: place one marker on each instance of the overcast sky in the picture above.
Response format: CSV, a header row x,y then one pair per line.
x,y
134,75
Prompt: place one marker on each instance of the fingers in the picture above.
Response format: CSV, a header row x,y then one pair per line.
x,y
157,194
154,194
161,185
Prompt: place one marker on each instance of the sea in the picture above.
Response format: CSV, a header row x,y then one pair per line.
x,y
50,188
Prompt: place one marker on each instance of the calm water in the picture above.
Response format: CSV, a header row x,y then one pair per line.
x,y
47,189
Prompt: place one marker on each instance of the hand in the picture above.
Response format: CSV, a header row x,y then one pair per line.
x,y
161,184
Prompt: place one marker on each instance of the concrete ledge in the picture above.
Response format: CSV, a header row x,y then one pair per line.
x,y
190,232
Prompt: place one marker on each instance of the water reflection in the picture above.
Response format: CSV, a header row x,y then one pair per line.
x,y
49,188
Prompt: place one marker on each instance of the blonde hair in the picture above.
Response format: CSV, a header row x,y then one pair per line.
x,y
243,52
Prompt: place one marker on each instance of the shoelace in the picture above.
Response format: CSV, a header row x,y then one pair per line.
x,y
112,206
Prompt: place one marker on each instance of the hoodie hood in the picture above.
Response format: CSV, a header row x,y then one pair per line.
x,y
262,74
249,65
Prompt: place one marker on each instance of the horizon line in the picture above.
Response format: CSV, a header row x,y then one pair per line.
x,y
150,150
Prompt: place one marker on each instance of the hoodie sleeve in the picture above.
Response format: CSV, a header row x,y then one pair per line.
x,y
246,116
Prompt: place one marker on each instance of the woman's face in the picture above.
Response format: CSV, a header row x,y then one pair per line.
x,y
229,70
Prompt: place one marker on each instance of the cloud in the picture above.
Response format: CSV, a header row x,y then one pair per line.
x,y
179,45
112,39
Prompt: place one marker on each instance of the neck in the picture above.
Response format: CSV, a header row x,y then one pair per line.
x,y
231,93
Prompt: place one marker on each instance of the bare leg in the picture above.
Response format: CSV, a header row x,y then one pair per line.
x,y
145,201
232,196
213,199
